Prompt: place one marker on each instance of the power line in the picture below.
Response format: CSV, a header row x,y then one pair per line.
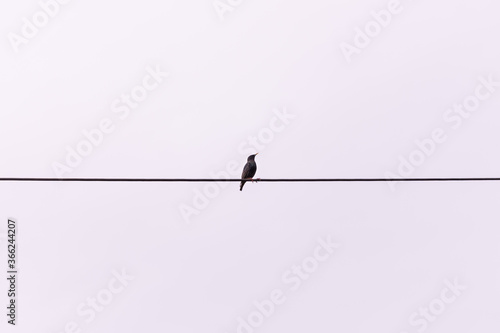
x,y
190,180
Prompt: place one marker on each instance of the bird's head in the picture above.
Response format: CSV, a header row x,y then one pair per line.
x,y
251,157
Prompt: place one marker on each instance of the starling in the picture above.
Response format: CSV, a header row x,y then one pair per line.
x,y
249,170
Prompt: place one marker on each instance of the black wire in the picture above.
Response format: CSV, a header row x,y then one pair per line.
x,y
157,180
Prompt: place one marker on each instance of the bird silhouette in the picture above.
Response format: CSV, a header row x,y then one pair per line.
x,y
249,170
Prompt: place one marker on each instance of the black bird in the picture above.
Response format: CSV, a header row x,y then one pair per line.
x,y
249,170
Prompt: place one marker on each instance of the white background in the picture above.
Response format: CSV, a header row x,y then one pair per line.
x,y
226,76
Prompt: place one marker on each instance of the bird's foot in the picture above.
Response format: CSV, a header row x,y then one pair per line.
x,y
255,180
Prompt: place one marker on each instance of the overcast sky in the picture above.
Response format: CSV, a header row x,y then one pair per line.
x,y
323,88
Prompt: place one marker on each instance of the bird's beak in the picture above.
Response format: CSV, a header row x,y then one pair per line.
x,y
256,153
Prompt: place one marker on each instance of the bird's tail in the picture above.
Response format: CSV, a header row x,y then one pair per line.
x,y
241,185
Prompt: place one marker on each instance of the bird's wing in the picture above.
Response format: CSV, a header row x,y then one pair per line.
x,y
249,170
246,171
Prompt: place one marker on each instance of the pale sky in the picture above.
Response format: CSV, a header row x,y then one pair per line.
x,y
190,89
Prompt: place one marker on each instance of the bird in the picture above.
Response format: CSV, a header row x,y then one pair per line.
x,y
248,170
